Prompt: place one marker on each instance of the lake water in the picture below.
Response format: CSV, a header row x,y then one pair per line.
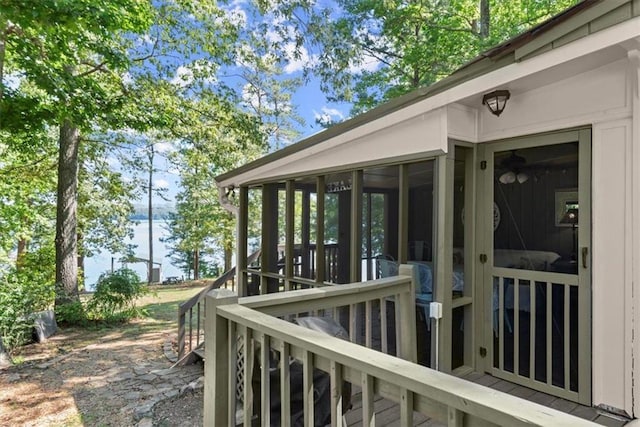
x,y
101,263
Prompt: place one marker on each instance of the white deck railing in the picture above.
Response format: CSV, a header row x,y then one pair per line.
x,y
415,388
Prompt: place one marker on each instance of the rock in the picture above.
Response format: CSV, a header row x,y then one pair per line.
x,y
132,395
44,325
162,372
13,378
148,377
5,360
171,393
145,422
144,411
193,386
140,370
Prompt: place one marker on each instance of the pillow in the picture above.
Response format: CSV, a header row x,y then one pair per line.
x,y
529,260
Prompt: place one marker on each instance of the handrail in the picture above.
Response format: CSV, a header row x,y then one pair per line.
x,y
440,396
187,307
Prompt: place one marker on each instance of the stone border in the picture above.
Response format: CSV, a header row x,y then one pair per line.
x,y
144,413
169,353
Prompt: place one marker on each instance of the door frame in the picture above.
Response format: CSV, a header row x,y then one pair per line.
x,y
484,245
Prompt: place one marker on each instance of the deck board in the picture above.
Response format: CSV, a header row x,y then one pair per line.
x,y
388,412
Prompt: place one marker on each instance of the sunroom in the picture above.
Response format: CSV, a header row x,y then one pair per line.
x,y
521,228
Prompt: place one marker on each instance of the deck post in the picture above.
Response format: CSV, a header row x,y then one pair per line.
x,y
408,349
216,368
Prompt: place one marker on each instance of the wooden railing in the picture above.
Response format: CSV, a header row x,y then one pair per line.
x,y
253,320
191,312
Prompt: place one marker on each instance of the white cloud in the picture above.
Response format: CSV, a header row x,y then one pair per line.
x,y
113,161
163,147
13,80
144,40
237,16
328,115
368,63
183,77
161,183
201,69
297,60
127,79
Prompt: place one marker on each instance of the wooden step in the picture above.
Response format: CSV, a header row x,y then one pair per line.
x,y
199,351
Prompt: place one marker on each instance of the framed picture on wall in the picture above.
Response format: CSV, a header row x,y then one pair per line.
x,y
566,198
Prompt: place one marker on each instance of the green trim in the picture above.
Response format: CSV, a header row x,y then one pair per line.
x,y
405,159
597,10
486,197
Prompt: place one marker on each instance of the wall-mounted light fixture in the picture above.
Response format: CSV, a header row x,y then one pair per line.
x,y
496,101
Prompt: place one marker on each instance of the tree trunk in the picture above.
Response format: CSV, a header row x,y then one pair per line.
x,y
196,264
66,216
2,56
80,263
22,248
484,19
150,213
228,254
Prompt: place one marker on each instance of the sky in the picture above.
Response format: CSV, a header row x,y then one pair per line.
x,y
308,101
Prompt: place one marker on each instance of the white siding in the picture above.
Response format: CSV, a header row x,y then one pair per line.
x,y
589,97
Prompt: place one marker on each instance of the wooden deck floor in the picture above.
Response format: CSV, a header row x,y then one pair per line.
x,y
388,413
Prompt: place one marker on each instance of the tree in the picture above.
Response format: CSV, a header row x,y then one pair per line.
x,y
211,143
104,200
373,51
75,54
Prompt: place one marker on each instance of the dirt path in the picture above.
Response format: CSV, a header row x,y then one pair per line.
x,y
107,377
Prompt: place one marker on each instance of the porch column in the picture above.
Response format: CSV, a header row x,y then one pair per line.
x,y
242,243
344,236
403,214
306,233
320,253
289,233
635,218
356,227
443,255
269,256
218,409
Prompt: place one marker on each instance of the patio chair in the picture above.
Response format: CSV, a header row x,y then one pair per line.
x,y
424,293
386,266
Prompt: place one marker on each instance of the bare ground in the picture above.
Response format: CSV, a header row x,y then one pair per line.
x,y
103,376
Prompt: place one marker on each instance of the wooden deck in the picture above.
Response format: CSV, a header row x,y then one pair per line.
x,y
388,413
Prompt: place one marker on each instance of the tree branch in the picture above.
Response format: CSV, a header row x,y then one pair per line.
x,y
95,68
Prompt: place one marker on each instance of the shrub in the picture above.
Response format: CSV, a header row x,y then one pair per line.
x,y
24,290
72,313
115,296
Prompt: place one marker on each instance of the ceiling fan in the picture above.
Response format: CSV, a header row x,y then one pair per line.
x,y
514,166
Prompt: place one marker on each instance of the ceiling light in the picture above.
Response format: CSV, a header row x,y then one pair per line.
x,y
496,101
522,177
507,178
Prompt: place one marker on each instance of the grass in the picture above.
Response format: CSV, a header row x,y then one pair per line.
x,y
162,303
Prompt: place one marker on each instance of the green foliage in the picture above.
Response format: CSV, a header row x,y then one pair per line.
x,y
25,289
115,296
72,313
373,50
